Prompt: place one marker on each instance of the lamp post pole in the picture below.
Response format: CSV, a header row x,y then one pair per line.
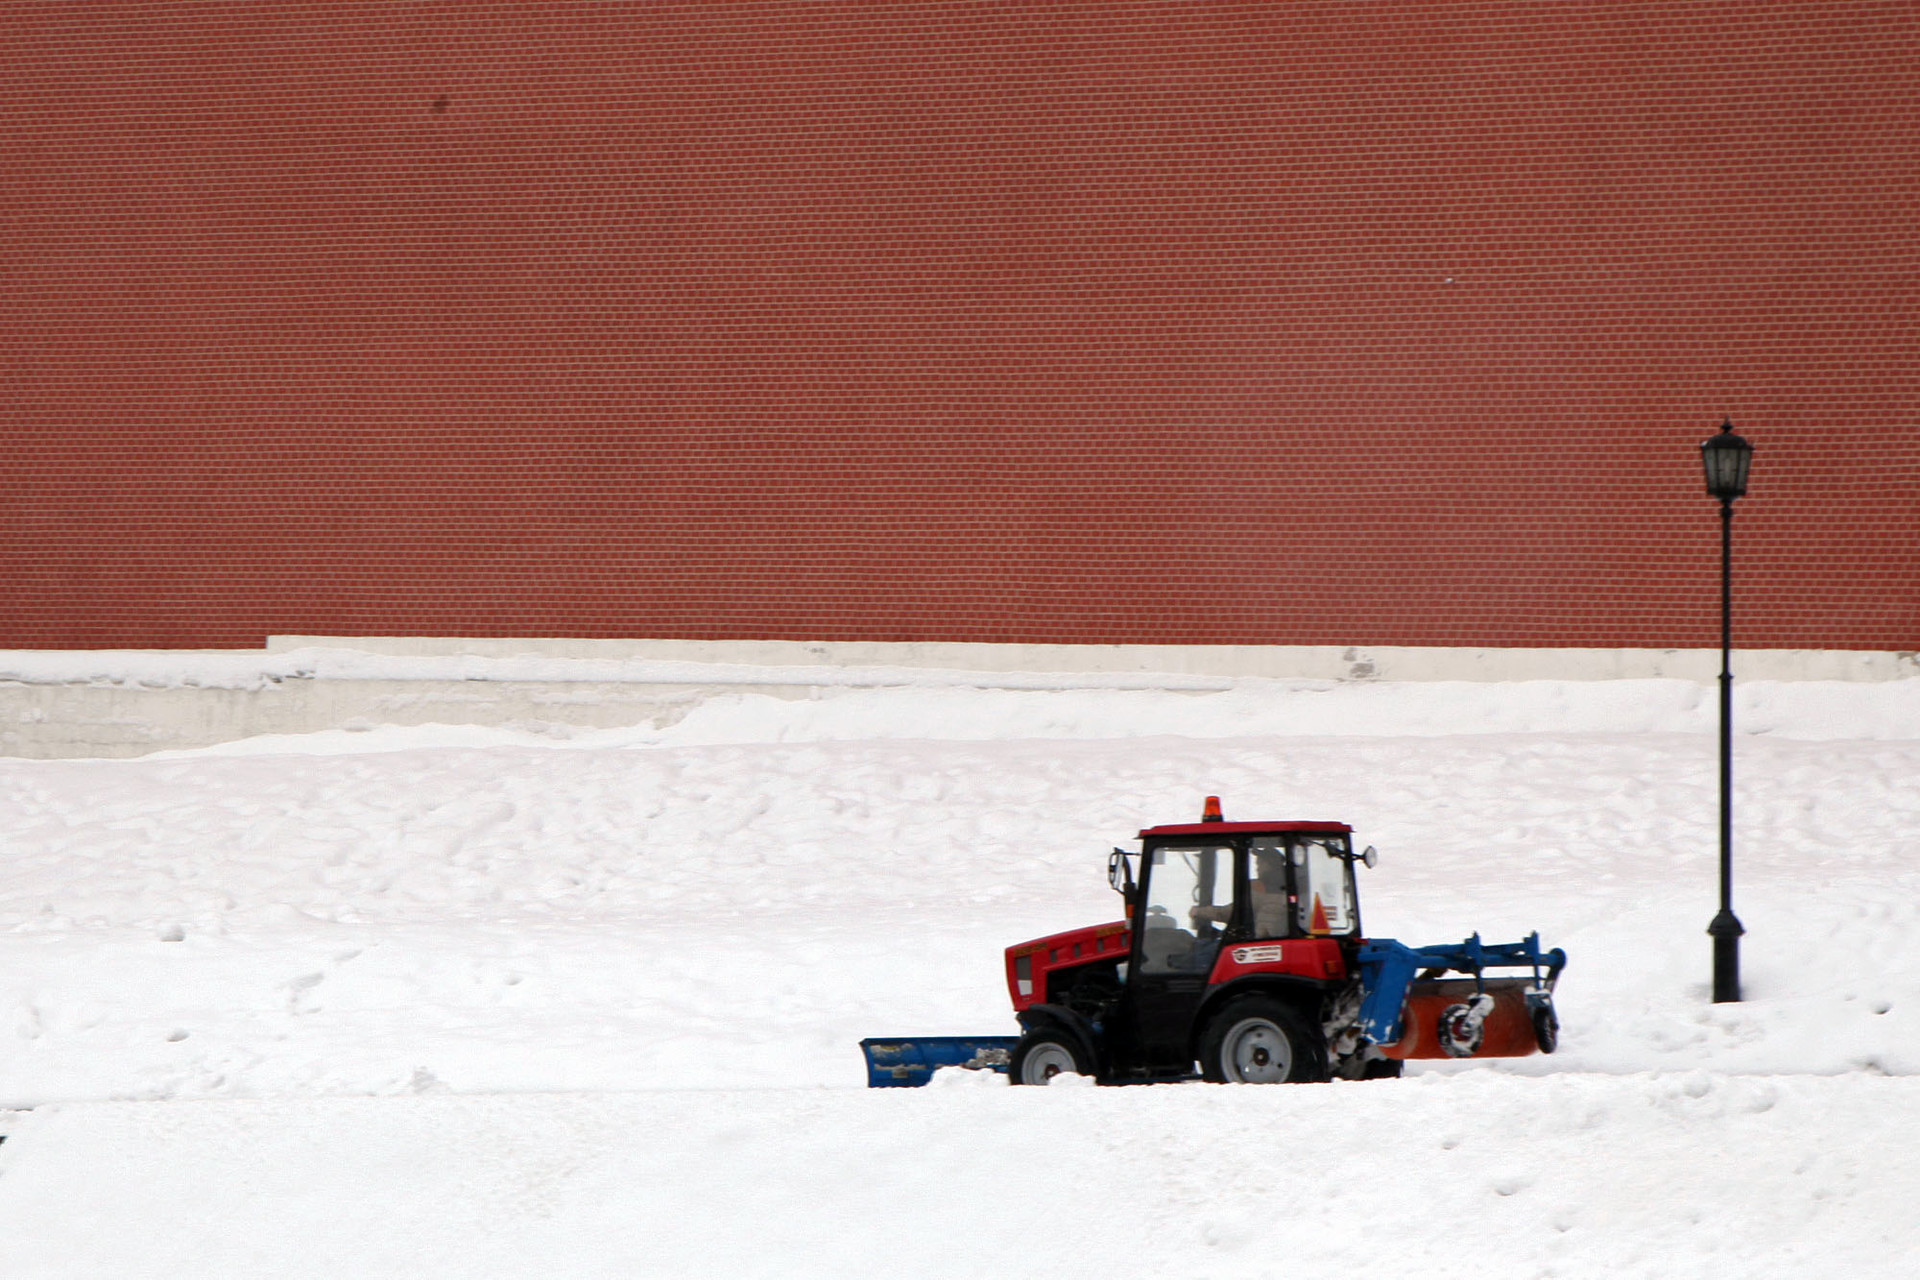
x,y
1726,457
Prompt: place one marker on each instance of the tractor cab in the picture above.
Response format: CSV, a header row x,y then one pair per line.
x,y
1211,883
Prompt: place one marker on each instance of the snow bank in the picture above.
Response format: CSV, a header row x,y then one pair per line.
x,y
538,918
958,712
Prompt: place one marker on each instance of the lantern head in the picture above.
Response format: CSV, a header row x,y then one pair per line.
x,y
1725,457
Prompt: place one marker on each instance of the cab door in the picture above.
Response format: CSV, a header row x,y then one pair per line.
x,y
1187,911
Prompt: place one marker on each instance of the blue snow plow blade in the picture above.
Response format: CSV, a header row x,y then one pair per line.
x,y
1388,968
907,1061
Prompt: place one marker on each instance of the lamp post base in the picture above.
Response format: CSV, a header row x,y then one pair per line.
x,y
1725,932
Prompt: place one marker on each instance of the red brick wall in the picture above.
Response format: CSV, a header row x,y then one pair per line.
x,y
1188,321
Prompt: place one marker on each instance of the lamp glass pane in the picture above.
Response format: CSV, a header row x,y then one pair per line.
x,y
1726,457
1737,482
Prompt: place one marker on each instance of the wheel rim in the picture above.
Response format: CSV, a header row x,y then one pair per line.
x,y
1044,1063
1257,1051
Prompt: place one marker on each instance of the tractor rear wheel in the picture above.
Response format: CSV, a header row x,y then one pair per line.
x,y
1260,1040
1042,1055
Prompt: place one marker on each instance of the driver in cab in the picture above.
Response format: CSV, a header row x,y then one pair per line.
x,y
1269,895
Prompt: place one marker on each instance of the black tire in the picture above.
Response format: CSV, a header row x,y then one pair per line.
x,y
1384,1069
1546,1028
1042,1055
1261,1040
1367,1063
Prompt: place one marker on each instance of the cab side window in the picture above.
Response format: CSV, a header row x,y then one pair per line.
x,y
1268,888
1189,900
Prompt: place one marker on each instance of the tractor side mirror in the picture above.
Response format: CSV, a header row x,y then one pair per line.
x,y
1371,856
1120,874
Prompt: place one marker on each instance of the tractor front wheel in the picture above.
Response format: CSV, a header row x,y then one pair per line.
x,y
1260,1040
1042,1055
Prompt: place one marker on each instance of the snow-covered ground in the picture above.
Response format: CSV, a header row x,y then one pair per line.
x,y
458,1002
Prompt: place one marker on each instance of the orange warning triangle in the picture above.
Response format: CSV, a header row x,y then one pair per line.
x,y
1318,924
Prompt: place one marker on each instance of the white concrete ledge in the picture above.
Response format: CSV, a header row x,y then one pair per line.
x,y
116,703
1272,662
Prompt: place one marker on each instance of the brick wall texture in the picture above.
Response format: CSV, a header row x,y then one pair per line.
x,y
1189,321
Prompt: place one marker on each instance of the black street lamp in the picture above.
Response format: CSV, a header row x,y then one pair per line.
x,y
1726,457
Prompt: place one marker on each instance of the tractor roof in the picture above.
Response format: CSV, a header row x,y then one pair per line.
x,y
1245,828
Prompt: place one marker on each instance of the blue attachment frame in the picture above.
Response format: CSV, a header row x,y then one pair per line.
x,y
904,1062
1387,969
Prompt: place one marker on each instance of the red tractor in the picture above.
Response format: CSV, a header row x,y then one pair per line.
x,y
1242,952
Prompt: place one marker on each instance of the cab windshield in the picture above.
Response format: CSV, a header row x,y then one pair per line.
x,y
1324,876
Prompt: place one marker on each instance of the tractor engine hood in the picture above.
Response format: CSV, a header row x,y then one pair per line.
x,y
1029,963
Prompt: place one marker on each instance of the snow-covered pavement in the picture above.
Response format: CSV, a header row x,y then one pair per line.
x,y
464,1003
1690,1174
